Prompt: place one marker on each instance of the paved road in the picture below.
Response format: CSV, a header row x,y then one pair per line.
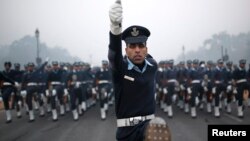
x,y
91,128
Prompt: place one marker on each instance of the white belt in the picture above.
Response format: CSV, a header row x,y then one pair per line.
x,y
56,83
241,81
7,84
133,120
103,81
41,84
32,84
217,82
172,80
196,81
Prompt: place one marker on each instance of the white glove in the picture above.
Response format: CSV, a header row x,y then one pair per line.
x,y
93,91
229,88
235,91
47,92
205,89
77,84
23,93
213,90
182,87
17,84
165,91
115,15
53,92
66,92
189,90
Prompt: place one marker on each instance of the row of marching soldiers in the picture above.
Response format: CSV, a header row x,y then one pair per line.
x,y
55,89
200,84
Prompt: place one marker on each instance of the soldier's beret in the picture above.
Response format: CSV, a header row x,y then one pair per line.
x,y
171,61
229,63
182,63
30,64
17,65
135,34
105,62
195,61
220,61
210,62
242,61
7,63
189,61
54,63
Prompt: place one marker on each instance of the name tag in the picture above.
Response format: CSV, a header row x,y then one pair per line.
x,y
129,78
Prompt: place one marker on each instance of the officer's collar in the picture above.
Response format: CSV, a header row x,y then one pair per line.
x,y
133,66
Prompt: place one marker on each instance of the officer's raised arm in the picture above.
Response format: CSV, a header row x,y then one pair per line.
x,y
115,51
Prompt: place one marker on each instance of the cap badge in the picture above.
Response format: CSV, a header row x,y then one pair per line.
x,y
135,32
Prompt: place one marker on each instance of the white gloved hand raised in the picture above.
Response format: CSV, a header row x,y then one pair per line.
x,y
115,15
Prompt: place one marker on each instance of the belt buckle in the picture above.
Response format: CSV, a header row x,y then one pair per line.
x,y
135,120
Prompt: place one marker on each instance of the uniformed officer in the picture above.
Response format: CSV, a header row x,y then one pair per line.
x,y
172,83
219,86
208,85
182,76
196,88
133,77
102,82
240,80
229,87
30,83
8,89
74,85
56,89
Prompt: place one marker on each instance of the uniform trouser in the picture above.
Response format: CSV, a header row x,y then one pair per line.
x,y
240,90
31,90
196,89
132,133
170,93
209,93
6,94
17,97
104,89
59,94
84,92
75,93
219,89
41,91
229,95
182,92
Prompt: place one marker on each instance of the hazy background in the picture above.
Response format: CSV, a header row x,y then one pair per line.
x,y
78,29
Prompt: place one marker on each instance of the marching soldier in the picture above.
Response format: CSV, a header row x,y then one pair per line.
x,y
188,86
75,80
103,84
56,89
30,84
182,76
219,86
240,80
18,101
196,88
8,89
87,85
172,83
159,74
208,85
134,78
229,87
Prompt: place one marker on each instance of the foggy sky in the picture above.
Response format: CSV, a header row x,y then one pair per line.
x,y
82,26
